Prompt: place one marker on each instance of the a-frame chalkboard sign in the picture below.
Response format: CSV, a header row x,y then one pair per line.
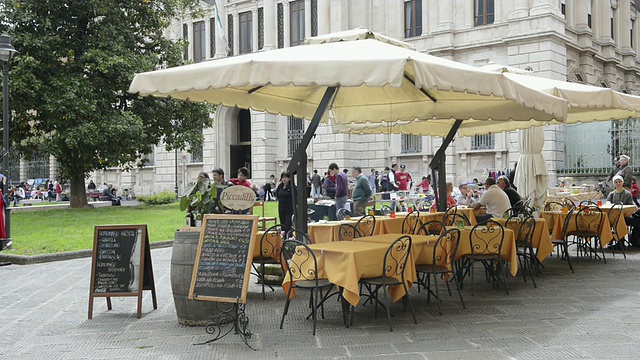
x,y
121,264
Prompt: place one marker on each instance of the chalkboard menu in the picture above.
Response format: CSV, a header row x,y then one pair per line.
x,y
121,264
223,259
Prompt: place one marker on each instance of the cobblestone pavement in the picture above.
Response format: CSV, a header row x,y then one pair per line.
x,y
592,314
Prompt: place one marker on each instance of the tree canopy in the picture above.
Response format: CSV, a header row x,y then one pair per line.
x,y
69,84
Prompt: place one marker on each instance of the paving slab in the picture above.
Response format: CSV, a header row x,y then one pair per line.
x,y
592,314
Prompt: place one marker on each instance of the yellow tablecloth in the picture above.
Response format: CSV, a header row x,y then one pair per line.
x,y
627,211
328,232
557,218
541,238
509,250
344,263
421,245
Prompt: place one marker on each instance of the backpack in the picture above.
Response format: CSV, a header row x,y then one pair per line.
x,y
384,181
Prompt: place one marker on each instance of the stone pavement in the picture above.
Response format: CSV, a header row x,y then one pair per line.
x,y
592,314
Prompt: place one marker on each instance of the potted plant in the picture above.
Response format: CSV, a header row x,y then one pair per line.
x,y
200,197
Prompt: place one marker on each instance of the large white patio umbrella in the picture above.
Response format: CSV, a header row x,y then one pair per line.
x,y
361,81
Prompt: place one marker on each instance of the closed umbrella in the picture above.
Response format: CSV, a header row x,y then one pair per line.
x,y
532,177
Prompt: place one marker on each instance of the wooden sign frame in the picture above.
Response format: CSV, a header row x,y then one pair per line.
x,y
145,275
248,261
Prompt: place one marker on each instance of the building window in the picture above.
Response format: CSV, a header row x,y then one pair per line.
x,y
563,7
37,167
484,12
280,26
196,154
613,24
411,144
185,37
314,17
633,23
230,34
199,41
483,142
246,32
260,28
296,21
149,159
412,18
212,37
589,7
295,132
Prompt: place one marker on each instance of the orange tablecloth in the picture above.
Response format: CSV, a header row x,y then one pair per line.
x,y
509,249
328,232
344,263
621,226
557,218
541,238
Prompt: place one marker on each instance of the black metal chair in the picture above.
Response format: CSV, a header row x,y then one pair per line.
x,y
568,203
431,227
302,267
411,222
587,223
614,214
298,235
486,248
366,225
563,243
385,210
444,254
452,217
347,232
270,247
522,207
394,266
342,213
524,227
553,206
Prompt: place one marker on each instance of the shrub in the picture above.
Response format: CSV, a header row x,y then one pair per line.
x,y
165,197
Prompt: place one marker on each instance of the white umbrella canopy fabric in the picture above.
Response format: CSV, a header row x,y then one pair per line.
x,y
377,83
532,177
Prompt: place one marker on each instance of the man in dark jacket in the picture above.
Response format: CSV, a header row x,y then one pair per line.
x,y
503,183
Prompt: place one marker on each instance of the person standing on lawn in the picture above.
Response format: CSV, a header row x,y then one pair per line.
x,y
284,193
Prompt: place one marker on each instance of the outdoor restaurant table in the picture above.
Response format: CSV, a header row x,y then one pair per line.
x,y
421,245
541,238
627,211
344,263
509,249
556,220
322,232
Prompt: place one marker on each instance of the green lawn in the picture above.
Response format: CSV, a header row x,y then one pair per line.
x,y
53,231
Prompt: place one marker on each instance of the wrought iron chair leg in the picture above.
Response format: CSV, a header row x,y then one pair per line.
x,y
386,302
435,284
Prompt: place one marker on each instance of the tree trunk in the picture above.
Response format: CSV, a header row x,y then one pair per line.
x,y
78,193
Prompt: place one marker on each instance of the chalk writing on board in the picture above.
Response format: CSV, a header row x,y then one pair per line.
x,y
117,260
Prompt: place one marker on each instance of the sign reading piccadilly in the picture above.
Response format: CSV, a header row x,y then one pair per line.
x,y
238,198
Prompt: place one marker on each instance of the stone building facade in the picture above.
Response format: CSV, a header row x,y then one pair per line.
x,y
590,41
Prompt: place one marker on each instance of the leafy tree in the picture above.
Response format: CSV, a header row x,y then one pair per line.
x,y
69,84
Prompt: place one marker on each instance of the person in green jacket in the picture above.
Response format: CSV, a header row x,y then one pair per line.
x,y
361,193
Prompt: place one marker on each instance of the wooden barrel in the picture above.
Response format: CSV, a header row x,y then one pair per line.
x,y
189,312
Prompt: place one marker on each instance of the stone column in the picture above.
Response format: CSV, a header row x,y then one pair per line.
x,y
445,16
254,29
581,12
221,44
236,31
520,9
545,7
624,23
207,34
603,18
270,24
323,17
307,18
286,23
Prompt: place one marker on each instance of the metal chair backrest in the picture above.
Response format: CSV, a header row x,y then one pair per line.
x,y
452,219
342,213
553,206
347,232
588,221
301,261
487,238
385,210
522,208
445,248
424,204
614,214
366,225
298,235
524,227
568,203
411,222
271,242
566,223
587,203
432,227
395,261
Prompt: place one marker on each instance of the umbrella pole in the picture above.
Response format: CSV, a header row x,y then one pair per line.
x,y
438,164
298,164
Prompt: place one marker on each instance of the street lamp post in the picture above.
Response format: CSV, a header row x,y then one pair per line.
x,y
175,129
7,51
